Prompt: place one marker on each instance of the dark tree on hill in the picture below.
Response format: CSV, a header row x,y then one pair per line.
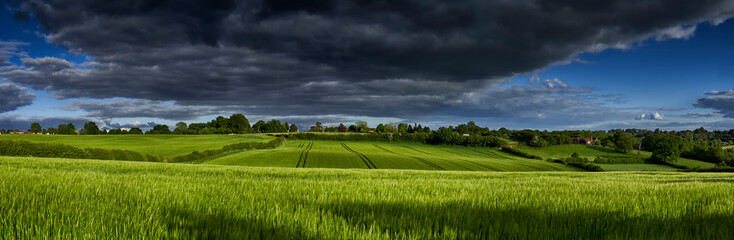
x,y
259,126
293,128
239,123
402,127
135,131
35,127
274,126
624,142
71,128
342,128
380,128
160,129
61,129
91,128
664,148
362,126
316,128
181,128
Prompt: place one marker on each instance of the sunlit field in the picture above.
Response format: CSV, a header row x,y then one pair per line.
x,y
67,199
381,155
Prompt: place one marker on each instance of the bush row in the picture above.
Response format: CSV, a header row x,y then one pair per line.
x,y
435,138
26,148
603,160
714,169
590,167
210,154
519,153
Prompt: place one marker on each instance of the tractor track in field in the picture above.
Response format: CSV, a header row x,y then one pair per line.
x,y
364,158
453,163
470,162
304,154
414,157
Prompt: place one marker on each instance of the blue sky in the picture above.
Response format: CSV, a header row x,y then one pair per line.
x,y
653,74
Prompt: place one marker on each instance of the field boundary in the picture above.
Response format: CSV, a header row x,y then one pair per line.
x,y
364,158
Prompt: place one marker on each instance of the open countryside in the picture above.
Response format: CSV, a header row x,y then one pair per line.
x,y
366,120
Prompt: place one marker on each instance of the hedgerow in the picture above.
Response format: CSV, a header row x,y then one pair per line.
x,y
237,147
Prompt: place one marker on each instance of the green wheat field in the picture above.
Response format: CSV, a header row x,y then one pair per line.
x,y
353,190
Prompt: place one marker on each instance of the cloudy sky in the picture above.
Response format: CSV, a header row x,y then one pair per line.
x,y
557,64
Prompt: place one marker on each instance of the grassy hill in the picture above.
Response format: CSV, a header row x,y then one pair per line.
x,y
591,152
160,145
39,198
381,155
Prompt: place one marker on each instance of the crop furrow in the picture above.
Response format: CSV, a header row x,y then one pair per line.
x,y
414,157
364,158
304,154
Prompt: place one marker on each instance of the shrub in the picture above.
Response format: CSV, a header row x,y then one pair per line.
x,y
519,153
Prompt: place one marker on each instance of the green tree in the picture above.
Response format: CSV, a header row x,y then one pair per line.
x,y
91,128
160,129
402,127
71,129
181,128
61,129
317,128
624,142
259,126
135,131
380,128
239,123
274,126
293,128
664,148
35,127
362,126
342,128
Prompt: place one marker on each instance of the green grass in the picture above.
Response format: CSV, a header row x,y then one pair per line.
x,y
380,155
160,145
92,199
591,152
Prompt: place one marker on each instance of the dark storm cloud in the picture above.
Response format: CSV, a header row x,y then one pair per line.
x,y
721,101
125,108
12,97
366,58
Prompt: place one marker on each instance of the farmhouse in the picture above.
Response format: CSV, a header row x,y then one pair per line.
x,y
587,141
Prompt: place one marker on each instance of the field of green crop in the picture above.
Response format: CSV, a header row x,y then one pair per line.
x,y
160,145
380,155
591,152
92,199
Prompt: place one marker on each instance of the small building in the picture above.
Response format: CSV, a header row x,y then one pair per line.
x,y
587,141
16,132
